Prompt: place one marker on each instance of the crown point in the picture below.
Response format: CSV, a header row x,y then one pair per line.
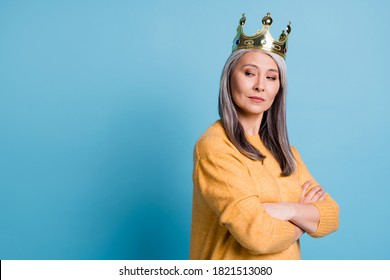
x,y
288,29
282,36
267,20
243,19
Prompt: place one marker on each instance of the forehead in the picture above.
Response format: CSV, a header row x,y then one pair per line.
x,y
259,59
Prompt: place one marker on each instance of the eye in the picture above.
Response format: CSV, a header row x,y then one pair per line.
x,y
272,78
248,73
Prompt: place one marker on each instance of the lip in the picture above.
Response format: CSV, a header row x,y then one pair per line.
x,y
256,99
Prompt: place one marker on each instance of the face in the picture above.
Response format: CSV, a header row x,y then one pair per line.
x,y
254,84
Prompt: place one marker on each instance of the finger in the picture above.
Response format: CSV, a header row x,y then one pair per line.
x,y
322,197
309,196
317,196
305,186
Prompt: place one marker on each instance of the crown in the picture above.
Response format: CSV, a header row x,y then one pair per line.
x,y
263,39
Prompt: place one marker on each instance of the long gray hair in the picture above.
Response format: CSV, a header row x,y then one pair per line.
x,y
273,128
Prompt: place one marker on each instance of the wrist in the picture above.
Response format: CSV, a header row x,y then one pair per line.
x,y
292,210
305,216
295,210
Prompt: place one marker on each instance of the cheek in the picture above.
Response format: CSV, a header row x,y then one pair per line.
x,y
236,88
239,85
236,97
272,94
273,91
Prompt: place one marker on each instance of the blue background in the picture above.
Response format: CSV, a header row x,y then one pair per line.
x,y
101,103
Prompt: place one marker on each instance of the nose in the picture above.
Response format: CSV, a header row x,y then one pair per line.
x,y
259,84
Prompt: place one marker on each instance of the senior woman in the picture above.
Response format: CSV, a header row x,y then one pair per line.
x,y
253,196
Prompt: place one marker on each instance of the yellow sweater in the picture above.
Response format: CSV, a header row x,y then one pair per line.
x,y
228,219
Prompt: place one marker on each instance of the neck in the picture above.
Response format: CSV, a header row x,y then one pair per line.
x,y
250,123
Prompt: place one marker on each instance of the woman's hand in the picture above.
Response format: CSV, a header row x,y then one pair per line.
x,y
315,194
302,214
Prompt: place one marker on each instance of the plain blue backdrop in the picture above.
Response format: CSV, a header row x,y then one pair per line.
x,y
101,103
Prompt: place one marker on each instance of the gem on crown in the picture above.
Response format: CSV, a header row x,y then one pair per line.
x,y
263,39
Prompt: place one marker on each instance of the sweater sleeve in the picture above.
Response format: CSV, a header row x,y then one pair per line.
x,y
328,208
226,186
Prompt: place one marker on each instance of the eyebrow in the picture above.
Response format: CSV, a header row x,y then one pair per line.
x,y
254,65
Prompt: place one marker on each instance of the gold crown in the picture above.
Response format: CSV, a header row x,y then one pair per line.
x,y
263,39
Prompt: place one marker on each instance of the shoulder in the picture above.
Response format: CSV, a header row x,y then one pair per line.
x,y
213,142
294,151
298,159
296,154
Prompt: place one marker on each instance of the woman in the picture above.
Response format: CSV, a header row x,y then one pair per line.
x,y
253,195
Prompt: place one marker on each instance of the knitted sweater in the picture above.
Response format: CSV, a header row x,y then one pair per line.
x,y
228,219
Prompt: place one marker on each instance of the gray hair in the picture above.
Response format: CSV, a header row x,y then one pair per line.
x,y
273,128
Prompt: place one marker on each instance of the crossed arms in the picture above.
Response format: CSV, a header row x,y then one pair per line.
x,y
304,215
